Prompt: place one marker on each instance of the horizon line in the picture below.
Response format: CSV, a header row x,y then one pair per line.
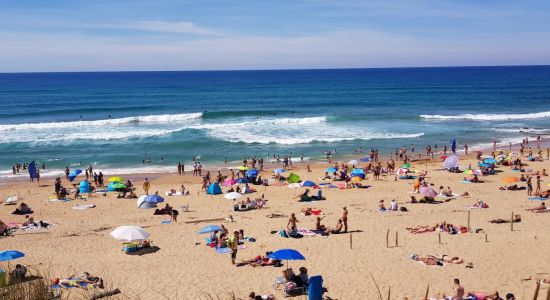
x,y
275,69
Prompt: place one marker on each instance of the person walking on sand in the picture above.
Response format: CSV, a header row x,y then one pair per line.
x,y
146,186
345,219
529,186
537,191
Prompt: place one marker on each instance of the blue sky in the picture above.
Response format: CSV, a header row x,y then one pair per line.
x,y
73,35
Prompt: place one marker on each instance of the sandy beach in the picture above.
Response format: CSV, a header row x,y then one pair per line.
x,y
352,264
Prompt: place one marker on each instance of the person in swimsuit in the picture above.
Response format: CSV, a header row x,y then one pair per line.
x,y
345,219
291,225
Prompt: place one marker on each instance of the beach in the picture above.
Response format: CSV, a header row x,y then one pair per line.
x,y
352,264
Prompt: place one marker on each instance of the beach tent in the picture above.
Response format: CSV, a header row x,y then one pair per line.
x,y
358,173
84,187
214,189
293,178
309,183
252,173
141,203
451,162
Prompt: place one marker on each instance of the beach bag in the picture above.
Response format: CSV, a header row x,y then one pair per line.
x,y
402,208
283,234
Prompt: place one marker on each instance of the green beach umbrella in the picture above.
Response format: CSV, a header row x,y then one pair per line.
x,y
293,178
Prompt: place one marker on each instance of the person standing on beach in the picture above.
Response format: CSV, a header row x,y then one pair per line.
x,y
146,186
179,168
345,219
466,149
67,171
234,246
529,186
458,291
537,191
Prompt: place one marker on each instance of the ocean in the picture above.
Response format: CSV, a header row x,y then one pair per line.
x,y
115,120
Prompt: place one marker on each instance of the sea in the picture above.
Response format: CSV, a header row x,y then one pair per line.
x,y
140,122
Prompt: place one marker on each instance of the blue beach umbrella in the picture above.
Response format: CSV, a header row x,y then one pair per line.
x,y
279,171
490,161
286,254
242,180
210,228
365,159
330,170
309,183
153,199
484,165
73,174
10,255
252,173
453,145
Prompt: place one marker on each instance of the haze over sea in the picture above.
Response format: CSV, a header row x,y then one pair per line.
x,y
116,119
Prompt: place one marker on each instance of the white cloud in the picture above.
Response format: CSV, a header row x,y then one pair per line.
x,y
162,26
353,48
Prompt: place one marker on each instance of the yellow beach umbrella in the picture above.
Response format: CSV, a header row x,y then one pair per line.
x,y
356,179
116,179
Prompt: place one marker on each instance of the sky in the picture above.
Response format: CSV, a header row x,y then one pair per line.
x,y
139,35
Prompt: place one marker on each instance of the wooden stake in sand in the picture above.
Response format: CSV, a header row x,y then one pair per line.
x,y
388,239
396,239
548,294
547,153
486,238
439,237
512,222
389,292
351,240
427,292
536,295
469,221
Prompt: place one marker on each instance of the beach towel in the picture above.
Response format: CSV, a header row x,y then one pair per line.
x,y
169,193
164,222
444,196
306,232
84,206
228,250
54,199
465,181
538,198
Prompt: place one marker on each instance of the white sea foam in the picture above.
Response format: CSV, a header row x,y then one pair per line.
x,y
523,130
105,122
490,117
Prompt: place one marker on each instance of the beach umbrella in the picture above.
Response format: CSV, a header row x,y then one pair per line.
x,y
294,185
472,172
453,145
229,182
73,174
141,203
242,180
451,162
510,179
117,185
233,196
401,171
129,233
243,168
279,171
484,165
10,255
486,156
292,178
286,254
406,166
116,179
365,159
309,183
153,199
330,170
252,173
353,162
210,228
490,161
428,191
356,179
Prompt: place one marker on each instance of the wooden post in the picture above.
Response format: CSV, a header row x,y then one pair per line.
x,y
548,294
486,238
351,240
396,239
536,295
469,220
547,153
389,292
512,222
439,237
427,292
388,239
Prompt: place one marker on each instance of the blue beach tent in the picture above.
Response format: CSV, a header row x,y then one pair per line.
x,y
214,189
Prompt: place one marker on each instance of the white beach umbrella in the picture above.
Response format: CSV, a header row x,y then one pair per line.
x,y
130,233
353,162
233,196
294,185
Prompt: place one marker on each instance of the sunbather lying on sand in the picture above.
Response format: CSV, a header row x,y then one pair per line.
x,y
422,229
258,261
483,295
432,260
480,204
253,296
76,281
539,209
517,219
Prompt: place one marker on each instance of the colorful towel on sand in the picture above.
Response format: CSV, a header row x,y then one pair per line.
x,y
228,250
306,232
538,198
54,199
83,206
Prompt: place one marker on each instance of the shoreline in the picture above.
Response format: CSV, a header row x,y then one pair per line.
x,y
172,170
